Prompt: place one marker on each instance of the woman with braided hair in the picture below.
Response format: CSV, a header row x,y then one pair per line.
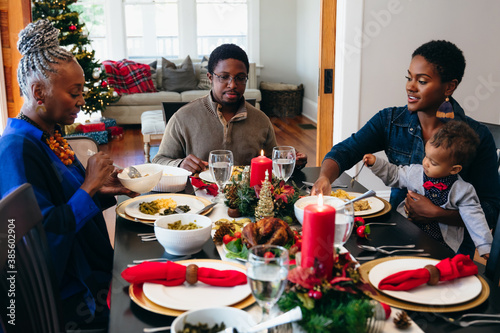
x,y
71,198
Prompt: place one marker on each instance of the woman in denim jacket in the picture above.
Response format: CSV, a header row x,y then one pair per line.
x,y
435,71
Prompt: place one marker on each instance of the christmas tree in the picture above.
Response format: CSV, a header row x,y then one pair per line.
x,y
72,36
265,207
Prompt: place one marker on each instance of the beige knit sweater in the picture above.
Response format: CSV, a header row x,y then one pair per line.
x,y
199,127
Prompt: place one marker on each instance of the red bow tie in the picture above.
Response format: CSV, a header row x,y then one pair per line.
x,y
440,186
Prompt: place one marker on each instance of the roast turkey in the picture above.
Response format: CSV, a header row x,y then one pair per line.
x,y
269,230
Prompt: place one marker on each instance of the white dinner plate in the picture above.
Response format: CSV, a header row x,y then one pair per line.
x,y
192,201
376,205
200,295
206,176
444,293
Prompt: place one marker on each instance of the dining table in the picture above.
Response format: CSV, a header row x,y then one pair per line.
x,y
127,316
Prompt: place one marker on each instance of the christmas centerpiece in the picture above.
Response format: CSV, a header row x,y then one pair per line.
x,y
272,198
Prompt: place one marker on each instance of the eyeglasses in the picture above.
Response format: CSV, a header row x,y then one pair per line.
x,y
226,79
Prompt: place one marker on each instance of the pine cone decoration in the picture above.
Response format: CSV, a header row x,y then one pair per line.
x,y
232,199
224,229
402,320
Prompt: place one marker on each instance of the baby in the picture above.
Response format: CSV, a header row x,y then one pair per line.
x,y
446,153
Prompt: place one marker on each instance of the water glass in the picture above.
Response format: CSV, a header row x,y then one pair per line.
x,y
283,161
267,271
344,222
220,163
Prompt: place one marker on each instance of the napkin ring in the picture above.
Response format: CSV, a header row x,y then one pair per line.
x,y
434,272
192,274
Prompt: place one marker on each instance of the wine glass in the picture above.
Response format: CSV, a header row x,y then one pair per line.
x,y
220,163
267,271
283,161
344,222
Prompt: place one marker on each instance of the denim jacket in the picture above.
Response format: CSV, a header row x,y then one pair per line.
x,y
397,132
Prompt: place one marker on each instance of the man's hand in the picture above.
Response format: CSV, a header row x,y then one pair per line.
x,y
300,160
193,164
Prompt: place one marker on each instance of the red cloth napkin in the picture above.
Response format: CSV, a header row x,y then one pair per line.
x,y
212,189
172,274
449,269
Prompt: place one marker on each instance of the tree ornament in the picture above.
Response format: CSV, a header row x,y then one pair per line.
x,y
104,84
96,75
72,27
265,206
85,90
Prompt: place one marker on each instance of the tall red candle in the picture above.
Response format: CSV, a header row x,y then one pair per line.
x,y
258,169
318,235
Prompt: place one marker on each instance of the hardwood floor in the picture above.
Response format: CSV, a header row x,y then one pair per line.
x,y
130,149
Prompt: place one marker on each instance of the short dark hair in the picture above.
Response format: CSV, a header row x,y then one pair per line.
x,y
457,137
447,58
227,51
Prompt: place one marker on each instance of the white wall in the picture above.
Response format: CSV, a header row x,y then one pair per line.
x,y
392,29
289,46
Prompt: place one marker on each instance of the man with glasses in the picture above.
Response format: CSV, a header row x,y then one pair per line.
x,y
220,120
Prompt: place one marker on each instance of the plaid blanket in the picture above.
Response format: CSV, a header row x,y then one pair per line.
x,y
128,77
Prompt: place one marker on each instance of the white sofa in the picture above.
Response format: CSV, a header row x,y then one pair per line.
x,y
129,108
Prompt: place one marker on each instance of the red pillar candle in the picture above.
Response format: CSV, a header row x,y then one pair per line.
x,y
258,169
318,235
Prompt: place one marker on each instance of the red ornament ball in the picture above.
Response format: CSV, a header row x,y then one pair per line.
x,y
72,27
104,84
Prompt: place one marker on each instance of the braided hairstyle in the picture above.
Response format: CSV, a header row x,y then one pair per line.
x,y
39,46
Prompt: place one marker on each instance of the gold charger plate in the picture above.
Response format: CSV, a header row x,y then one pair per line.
x,y
137,295
120,208
365,268
387,208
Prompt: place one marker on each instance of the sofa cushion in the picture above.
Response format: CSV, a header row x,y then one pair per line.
x,y
154,75
128,77
203,81
180,78
149,98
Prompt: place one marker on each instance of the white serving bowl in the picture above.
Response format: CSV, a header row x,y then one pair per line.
x,y
300,204
145,183
183,242
174,179
233,317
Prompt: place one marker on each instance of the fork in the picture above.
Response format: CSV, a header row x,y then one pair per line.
x,y
458,321
357,174
403,248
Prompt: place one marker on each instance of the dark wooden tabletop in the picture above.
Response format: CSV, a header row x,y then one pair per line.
x,y
126,316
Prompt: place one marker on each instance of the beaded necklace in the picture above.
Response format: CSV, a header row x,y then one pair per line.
x,y
57,143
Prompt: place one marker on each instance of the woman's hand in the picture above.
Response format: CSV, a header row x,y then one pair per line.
x,y
112,186
193,164
99,168
322,185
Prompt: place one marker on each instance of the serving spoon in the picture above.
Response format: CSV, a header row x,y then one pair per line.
x,y
132,172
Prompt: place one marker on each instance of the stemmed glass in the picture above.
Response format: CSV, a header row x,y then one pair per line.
x,y
344,222
220,163
283,161
267,271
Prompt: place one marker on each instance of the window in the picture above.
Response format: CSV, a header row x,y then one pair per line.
x,y
92,13
139,29
152,28
221,22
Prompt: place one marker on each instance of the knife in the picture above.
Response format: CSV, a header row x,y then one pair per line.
x,y
333,185
204,209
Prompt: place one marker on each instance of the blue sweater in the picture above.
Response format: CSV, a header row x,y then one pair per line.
x,y
73,221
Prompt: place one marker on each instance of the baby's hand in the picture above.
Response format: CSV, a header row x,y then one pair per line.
x,y
369,159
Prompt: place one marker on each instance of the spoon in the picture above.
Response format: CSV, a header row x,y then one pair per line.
x,y
132,172
369,193
294,314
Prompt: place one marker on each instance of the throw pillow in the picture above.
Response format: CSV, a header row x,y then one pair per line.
x,y
154,76
203,81
180,78
128,77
